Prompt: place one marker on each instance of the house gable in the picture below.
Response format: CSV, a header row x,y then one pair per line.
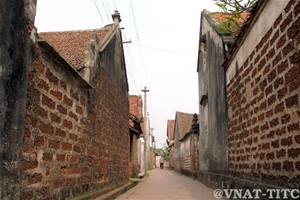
x,y
88,50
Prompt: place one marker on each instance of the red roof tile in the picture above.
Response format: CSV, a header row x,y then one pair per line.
x,y
71,44
184,122
221,18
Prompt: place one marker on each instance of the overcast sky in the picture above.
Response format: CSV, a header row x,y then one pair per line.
x,y
163,52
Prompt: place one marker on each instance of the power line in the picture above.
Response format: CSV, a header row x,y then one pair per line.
x,y
131,73
106,12
108,6
132,68
166,50
99,12
143,63
115,5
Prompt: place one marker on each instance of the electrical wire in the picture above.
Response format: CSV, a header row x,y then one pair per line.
x,y
138,39
108,6
129,66
99,13
106,12
135,78
166,50
115,5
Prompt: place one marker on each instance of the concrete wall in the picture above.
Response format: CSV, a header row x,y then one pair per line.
x,y
76,138
212,107
264,99
15,60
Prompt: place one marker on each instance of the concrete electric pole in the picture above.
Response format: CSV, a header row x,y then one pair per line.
x,y
146,132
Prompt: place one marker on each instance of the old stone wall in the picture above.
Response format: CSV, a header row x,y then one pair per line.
x,y
133,167
76,137
171,158
15,59
264,105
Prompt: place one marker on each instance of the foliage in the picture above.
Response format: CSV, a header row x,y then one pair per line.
x,y
163,152
233,10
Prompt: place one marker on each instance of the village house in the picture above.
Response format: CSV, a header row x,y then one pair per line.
x,y
186,142
135,130
76,138
252,101
212,103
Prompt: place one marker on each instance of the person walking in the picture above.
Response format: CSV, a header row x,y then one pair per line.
x,y
162,161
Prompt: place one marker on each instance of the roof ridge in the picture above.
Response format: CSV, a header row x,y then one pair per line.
x,y
79,30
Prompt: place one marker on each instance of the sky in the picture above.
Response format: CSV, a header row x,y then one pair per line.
x,y
162,55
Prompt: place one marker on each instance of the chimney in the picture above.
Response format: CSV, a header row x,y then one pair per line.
x,y
116,17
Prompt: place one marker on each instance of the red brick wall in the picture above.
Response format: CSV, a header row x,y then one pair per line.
x,y
264,106
76,139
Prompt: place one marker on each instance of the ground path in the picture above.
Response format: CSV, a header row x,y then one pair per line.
x,y
167,184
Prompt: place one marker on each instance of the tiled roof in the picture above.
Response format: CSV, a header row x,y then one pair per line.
x,y
184,122
221,17
71,44
171,129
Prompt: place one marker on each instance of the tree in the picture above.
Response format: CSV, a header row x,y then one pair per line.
x,y
164,152
233,10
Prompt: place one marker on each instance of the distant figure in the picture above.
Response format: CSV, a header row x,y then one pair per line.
x,y
162,161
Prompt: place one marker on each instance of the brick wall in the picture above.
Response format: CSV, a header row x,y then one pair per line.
x,y
171,158
264,106
186,164
76,138
190,162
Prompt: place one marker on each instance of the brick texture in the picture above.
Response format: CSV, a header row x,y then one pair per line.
x,y
76,138
263,104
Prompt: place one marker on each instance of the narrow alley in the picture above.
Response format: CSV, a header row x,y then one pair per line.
x,y
210,93
167,184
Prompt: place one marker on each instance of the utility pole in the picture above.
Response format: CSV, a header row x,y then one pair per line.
x,y
146,132
151,136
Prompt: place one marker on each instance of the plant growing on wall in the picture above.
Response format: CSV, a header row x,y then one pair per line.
x,y
233,10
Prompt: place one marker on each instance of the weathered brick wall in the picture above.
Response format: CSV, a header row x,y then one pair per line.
x,y
186,164
171,158
76,139
264,106
195,155
190,162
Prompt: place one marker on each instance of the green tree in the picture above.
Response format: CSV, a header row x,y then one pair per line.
x,y
164,151
233,10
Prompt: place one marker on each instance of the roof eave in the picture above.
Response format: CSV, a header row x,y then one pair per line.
x,y
44,44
